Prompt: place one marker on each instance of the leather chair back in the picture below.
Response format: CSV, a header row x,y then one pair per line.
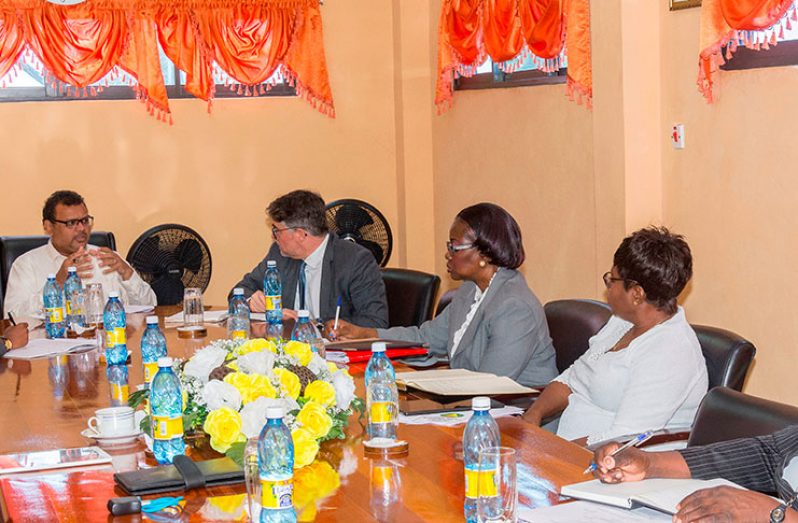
x,y
571,324
411,296
727,414
12,247
728,356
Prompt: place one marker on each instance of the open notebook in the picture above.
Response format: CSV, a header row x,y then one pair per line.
x,y
659,494
459,382
42,348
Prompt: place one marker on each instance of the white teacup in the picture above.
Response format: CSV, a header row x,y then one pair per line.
x,y
113,421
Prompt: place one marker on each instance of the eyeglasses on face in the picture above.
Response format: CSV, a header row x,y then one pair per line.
x,y
608,279
452,248
276,232
86,221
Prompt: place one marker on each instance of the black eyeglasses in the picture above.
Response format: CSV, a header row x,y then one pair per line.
x,y
453,248
276,231
608,279
86,221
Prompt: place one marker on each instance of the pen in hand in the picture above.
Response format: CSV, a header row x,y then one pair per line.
x,y
337,313
634,442
11,319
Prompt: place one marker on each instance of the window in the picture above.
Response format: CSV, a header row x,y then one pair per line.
x,y
28,84
489,75
785,53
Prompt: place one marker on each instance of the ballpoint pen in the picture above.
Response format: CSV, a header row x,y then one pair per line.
x,y
337,313
11,319
634,442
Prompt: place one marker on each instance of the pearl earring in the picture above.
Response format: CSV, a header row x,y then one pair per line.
x,y
482,263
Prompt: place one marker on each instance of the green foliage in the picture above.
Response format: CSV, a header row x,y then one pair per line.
x,y
359,406
236,452
138,397
340,422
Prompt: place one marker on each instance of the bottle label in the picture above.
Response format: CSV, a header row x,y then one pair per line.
x,y
274,302
238,335
381,412
277,494
481,482
164,427
120,392
55,314
149,371
115,337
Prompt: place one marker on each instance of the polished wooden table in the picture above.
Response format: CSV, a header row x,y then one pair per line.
x,y
45,404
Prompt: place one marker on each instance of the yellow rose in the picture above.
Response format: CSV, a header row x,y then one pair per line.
x,y
223,425
332,367
300,350
251,386
311,485
314,418
305,447
232,506
289,382
255,345
320,392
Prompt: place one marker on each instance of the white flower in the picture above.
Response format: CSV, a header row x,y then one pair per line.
x,y
218,394
317,365
204,361
253,415
344,389
257,362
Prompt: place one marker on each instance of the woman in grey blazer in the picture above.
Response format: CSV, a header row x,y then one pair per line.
x,y
494,322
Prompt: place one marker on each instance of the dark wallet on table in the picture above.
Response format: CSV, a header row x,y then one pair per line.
x,y
183,474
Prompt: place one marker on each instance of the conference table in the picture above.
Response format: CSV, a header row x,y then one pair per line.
x,y
46,403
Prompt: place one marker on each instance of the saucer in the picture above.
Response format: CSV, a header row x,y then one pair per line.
x,y
125,439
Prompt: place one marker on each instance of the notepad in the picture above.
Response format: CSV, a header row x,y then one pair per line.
x,y
460,382
365,344
659,494
52,459
207,317
42,348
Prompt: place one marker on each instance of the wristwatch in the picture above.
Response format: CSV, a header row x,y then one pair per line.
x,y
778,513
7,343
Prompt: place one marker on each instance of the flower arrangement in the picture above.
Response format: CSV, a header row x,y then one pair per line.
x,y
229,384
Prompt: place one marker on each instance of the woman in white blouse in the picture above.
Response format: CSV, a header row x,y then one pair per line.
x,y
494,322
644,369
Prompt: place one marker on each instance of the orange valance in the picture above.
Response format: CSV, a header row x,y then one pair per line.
x,y
755,24
509,31
246,39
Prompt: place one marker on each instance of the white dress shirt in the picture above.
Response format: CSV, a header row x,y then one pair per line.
x,y
478,297
313,267
29,274
656,382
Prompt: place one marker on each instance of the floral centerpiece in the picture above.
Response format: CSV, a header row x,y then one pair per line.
x,y
229,384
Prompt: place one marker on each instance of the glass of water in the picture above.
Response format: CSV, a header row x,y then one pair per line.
x,y
94,303
192,306
252,478
497,489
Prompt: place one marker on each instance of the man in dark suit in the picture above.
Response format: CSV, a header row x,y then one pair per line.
x,y
765,464
316,267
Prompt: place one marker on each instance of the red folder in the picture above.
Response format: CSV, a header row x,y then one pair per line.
x,y
360,356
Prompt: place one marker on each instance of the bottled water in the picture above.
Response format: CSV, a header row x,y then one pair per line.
x,y
303,330
53,308
273,291
238,316
166,403
382,398
276,468
118,381
153,346
58,372
73,298
481,432
115,323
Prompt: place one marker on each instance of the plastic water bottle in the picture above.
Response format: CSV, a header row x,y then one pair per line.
x,y
153,346
166,404
481,432
115,322
53,308
303,330
118,381
58,372
73,298
382,398
276,469
273,291
238,316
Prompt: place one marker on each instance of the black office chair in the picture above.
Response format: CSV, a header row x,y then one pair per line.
x,y
728,356
727,414
411,296
571,324
12,247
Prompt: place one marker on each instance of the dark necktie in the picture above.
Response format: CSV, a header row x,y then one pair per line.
x,y
302,285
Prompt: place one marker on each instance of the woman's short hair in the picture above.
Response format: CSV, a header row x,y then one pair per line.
x,y
300,208
497,235
657,260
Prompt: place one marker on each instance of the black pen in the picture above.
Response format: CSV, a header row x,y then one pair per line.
x,y
11,319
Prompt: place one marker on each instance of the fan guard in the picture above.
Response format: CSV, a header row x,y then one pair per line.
x,y
362,223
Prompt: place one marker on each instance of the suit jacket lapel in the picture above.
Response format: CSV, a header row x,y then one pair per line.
x,y
327,290
290,283
468,336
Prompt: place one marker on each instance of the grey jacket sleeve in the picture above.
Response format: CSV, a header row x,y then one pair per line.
x,y
367,292
435,333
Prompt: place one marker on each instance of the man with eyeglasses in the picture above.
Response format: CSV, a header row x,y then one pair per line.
x,y
67,222
317,268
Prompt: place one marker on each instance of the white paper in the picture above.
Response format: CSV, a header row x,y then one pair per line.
x,y
460,382
257,316
454,418
138,309
207,317
587,511
336,356
42,347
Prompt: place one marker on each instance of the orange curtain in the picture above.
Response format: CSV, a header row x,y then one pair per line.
x,y
755,24
247,39
508,31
